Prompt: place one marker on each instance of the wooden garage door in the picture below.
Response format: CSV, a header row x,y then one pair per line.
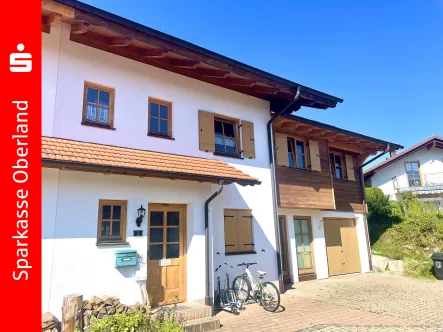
x,y
341,246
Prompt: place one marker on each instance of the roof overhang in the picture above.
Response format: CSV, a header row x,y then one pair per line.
x,y
337,137
99,158
96,168
111,33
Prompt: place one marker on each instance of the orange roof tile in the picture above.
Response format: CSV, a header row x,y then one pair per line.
x,y
64,152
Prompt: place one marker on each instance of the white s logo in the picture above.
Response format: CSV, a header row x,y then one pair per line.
x,y
18,62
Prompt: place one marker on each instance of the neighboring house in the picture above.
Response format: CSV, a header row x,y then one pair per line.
x,y
418,170
156,166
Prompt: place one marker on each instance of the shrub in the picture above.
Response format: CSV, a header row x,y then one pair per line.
x,y
129,322
165,321
415,233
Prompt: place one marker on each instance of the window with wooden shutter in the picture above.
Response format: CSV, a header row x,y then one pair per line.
x,y
238,232
248,144
337,170
350,167
315,156
281,149
206,131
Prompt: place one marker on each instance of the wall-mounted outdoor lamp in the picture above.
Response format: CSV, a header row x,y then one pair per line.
x,y
141,214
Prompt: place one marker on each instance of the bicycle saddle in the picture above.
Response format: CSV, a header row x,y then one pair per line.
x,y
261,273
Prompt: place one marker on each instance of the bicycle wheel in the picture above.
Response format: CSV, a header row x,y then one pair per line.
x,y
242,288
270,297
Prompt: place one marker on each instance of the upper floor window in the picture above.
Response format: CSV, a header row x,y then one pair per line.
x,y
225,136
413,173
98,105
111,221
160,118
296,153
337,165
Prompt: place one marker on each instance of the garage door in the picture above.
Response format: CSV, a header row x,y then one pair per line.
x,y
341,246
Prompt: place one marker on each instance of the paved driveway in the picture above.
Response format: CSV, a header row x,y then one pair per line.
x,y
362,302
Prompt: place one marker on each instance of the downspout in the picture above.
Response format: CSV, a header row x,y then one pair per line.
x,y
363,196
209,200
274,189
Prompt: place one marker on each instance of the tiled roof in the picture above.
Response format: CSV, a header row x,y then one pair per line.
x,y
75,153
404,153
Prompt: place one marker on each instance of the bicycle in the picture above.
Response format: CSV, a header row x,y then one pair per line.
x,y
265,293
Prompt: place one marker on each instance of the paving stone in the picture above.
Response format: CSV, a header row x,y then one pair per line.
x,y
361,302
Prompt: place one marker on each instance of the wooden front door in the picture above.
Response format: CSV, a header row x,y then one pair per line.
x,y
284,249
341,246
166,253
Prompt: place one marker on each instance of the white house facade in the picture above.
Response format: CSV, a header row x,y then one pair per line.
x,y
418,170
131,154
163,160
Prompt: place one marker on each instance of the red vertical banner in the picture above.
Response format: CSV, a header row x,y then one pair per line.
x,y
20,72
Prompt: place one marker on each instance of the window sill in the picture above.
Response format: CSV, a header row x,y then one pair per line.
x,y
110,244
97,125
240,253
161,136
229,155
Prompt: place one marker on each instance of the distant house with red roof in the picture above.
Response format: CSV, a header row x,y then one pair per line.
x,y
418,169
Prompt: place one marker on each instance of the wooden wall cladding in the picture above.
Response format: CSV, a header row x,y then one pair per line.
x,y
348,196
305,189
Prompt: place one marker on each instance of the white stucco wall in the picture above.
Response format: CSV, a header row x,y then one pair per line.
x,y
431,161
71,260
320,255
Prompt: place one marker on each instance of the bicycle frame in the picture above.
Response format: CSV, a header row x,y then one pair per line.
x,y
256,287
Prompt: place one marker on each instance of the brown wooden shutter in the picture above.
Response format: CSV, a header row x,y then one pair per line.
x,y
245,239
206,131
231,231
248,143
281,149
315,156
350,167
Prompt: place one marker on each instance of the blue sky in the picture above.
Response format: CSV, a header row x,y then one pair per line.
x,y
384,58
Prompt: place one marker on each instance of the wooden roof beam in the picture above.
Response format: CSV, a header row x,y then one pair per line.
x,y
58,8
52,19
80,28
156,53
317,131
266,89
212,72
328,135
240,81
119,41
184,63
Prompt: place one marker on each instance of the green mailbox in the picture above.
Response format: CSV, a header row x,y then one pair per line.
x,y
125,257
